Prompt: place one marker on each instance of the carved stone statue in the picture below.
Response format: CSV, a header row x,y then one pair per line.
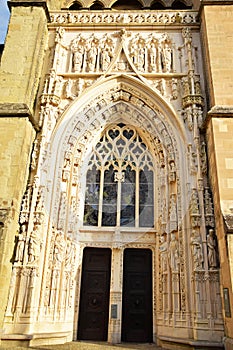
x,y
138,55
152,51
20,247
163,252
34,247
92,58
174,253
59,249
197,251
212,255
106,57
167,57
77,61
68,89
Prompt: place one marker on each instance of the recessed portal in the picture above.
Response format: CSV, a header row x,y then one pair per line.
x,y
94,298
137,296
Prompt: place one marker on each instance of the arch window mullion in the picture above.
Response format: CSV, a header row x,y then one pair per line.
x,y
137,199
101,197
119,203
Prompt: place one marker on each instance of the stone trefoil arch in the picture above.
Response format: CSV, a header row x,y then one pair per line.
x,y
46,269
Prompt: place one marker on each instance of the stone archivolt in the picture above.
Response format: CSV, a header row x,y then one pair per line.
x,y
46,272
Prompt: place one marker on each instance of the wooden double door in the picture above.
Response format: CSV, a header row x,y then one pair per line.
x,y
137,295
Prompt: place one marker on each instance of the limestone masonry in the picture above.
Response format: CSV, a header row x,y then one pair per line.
x,y
116,192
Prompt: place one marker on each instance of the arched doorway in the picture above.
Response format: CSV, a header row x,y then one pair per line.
x,y
117,176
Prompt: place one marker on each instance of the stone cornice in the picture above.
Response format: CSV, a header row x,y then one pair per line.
x,y
218,112
216,2
32,3
221,111
17,110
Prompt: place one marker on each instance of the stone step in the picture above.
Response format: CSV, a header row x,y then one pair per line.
x,y
89,346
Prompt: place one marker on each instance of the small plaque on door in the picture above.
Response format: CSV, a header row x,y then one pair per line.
x,y
113,310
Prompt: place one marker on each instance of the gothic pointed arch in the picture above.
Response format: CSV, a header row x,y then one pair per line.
x,y
180,5
75,6
129,5
97,5
157,5
116,101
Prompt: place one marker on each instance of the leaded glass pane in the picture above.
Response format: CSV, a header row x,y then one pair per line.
x,y
92,197
109,209
146,198
128,198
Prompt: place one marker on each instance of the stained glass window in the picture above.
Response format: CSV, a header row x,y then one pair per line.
x,y
120,181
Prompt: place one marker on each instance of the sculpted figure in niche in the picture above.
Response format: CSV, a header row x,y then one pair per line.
x,y
92,57
78,59
163,252
70,254
167,57
197,251
34,246
174,253
68,89
212,254
138,55
20,245
152,51
106,57
59,249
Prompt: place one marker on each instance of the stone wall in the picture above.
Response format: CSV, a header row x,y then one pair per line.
x,y
21,65
217,41
22,59
217,35
16,136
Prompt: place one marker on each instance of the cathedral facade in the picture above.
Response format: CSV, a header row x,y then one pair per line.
x,y
117,173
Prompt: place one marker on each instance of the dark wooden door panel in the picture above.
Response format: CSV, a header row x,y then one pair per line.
x,y
94,297
137,296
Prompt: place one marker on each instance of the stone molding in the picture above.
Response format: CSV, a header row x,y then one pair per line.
x,y
196,343
18,110
221,111
139,18
216,2
32,3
